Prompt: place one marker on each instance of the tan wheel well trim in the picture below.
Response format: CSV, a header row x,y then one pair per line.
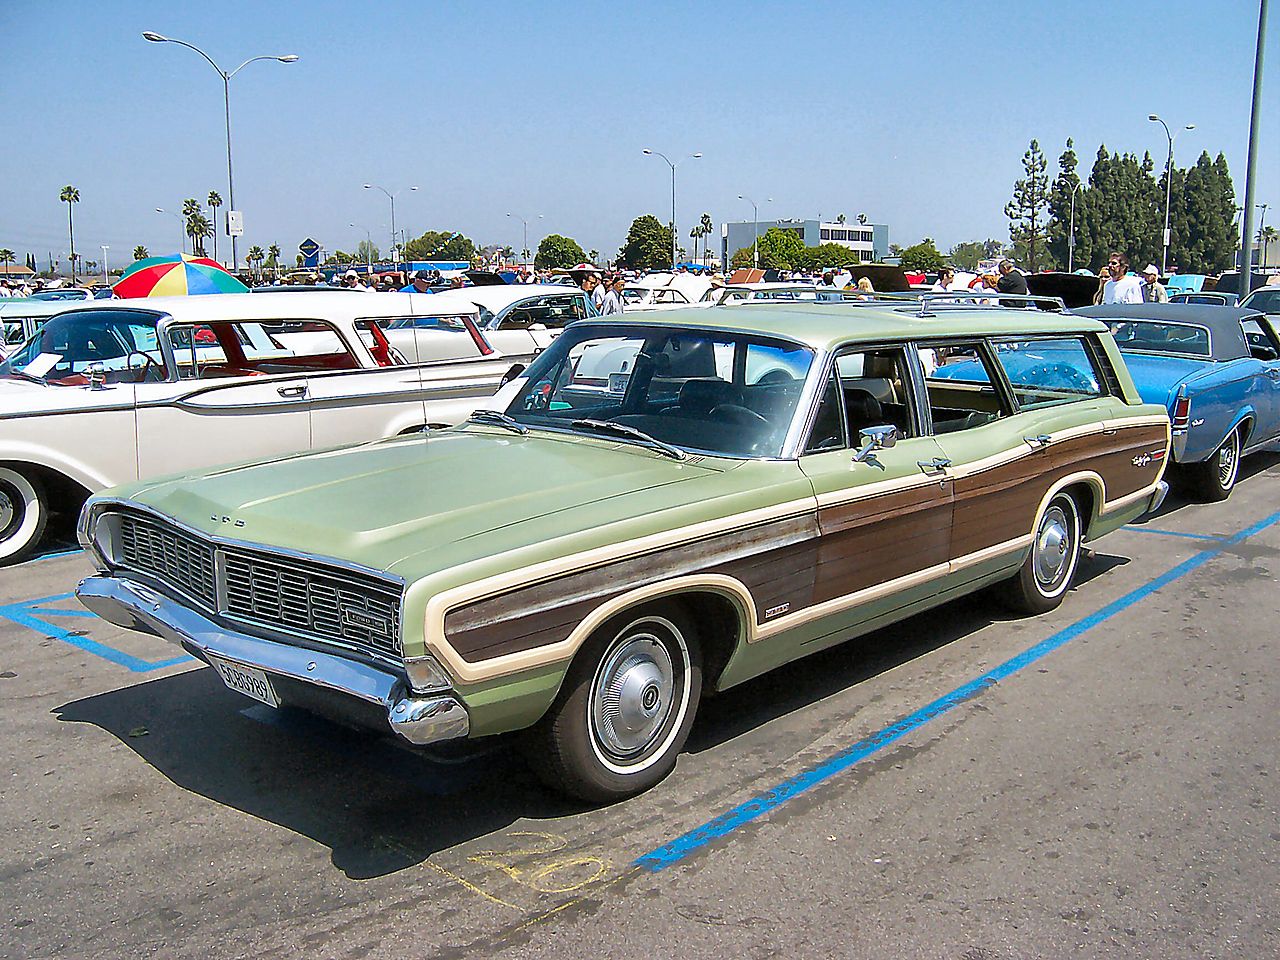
x,y
563,650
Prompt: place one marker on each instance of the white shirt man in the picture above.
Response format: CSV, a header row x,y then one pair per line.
x,y
1121,288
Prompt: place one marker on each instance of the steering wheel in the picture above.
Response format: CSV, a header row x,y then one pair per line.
x,y
1058,376
148,363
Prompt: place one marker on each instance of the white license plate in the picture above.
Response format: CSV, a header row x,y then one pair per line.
x,y
618,384
247,680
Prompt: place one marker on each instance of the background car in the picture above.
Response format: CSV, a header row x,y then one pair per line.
x,y
1264,299
1216,298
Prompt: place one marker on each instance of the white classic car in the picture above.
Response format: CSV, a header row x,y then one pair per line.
x,y
130,389
518,319
21,317
664,291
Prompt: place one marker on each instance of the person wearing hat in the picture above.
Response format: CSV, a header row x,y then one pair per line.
x,y
421,283
1152,290
351,279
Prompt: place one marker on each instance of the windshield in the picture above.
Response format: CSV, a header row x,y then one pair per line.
x,y
1268,301
123,343
700,391
60,295
1151,336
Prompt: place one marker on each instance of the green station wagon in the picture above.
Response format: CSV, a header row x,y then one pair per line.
x,y
651,510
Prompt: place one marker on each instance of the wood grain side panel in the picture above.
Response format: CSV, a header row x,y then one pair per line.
x,y
861,555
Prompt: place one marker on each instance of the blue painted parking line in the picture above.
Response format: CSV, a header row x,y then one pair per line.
x,y
1133,528
35,614
762,804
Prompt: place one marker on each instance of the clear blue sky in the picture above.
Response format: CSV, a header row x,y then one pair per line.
x,y
914,113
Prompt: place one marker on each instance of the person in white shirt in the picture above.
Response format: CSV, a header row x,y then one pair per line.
x,y
1121,288
611,303
946,277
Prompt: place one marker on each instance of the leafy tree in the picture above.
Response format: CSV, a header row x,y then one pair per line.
x,y
340,257
367,252
967,255
825,256
558,251
780,249
140,252
440,245
1202,217
648,244
215,201
895,250
1059,227
593,255
71,196
923,256
1028,210
742,257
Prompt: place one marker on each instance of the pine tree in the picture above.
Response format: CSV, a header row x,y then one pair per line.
x,y
1028,210
1060,225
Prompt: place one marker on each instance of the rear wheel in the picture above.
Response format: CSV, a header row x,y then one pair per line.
x,y
24,512
1046,574
625,709
1215,478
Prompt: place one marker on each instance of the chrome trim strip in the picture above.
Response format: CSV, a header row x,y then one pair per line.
x,y
419,720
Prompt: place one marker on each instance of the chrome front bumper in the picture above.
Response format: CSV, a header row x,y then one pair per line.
x,y
418,719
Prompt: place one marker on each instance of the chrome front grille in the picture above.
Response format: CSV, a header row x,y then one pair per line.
x,y
306,598
168,554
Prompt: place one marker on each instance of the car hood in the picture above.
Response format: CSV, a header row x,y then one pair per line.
x,y
446,497
1157,377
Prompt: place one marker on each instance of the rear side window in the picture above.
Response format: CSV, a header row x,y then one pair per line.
x,y
1050,371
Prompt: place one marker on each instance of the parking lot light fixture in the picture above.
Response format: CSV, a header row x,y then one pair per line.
x,y
674,232
392,197
525,248
226,76
755,215
1168,187
182,242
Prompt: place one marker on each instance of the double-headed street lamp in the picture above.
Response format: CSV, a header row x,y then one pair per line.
x,y
1168,187
183,243
525,223
1071,231
392,197
755,215
674,232
226,100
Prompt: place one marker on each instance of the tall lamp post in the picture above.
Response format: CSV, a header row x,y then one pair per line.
x,y
181,222
525,248
368,249
392,197
674,232
1168,187
1262,247
226,101
1071,231
755,216
105,248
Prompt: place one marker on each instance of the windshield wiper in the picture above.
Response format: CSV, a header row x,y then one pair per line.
x,y
625,430
496,419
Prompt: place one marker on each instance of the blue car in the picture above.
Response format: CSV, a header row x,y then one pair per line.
x,y
1216,369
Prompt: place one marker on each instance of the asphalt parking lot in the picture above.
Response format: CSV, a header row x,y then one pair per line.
x,y
1100,781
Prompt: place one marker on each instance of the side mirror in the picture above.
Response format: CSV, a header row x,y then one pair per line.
x,y
515,371
97,376
880,437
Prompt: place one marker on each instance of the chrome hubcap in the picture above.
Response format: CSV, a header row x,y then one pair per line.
x,y
1227,460
633,696
7,512
1053,547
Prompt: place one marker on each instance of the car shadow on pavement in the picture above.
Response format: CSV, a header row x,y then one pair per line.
x,y
364,797
1250,467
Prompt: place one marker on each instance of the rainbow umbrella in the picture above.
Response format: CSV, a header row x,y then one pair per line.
x,y
177,275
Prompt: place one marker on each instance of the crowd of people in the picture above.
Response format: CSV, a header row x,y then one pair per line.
x,y
1115,283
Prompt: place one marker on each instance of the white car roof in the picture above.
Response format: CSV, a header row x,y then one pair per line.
x,y
494,296
321,305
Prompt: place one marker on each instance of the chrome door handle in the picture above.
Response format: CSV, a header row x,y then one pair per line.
x,y
936,465
1038,442
298,390
1273,373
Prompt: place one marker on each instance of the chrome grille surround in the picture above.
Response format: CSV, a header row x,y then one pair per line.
x,y
321,602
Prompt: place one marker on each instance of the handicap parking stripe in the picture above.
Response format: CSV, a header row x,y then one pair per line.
x,y
759,806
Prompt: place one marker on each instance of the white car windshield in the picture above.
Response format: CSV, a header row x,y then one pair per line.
x,y
123,344
693,390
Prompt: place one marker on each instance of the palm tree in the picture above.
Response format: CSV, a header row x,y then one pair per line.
x,y
1265,236
273,258
140,252
256,255
707,227
695,235
198,228
70,195
593,255
215,201
6,257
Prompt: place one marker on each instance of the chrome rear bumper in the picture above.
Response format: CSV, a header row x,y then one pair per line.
x,y
419,720
1157,498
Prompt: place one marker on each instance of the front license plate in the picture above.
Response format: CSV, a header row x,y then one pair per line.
x,y
247,680
618,384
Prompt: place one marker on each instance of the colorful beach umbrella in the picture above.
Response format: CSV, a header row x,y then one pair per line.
x,y
178,275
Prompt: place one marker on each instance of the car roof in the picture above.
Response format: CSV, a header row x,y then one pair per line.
x,y
1223,323
828,325
322,304
495,296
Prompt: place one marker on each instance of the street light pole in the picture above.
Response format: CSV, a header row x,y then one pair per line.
x,y
368,245
524,250
181,223
1168,188
226,103
1262,245
392,197
674,232
1071,233
755,215
105,248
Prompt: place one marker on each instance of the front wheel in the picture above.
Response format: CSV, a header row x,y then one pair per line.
x,y
625,709
1046,574
24,512
1215,478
